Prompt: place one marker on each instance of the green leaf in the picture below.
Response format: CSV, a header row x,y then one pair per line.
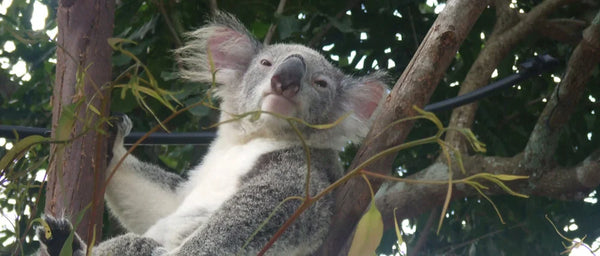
x,y
398,233
94,109
115,42
369,232
509,177
47,230
19,150
66,122
259,29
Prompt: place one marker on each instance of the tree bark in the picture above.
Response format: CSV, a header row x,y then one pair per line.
x,y
507,33
414,87
83,72
547,179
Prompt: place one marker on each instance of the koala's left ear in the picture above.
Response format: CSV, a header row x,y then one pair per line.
x,y
223,48
366,94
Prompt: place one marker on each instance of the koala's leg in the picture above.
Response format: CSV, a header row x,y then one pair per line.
x,y
228,229
129,244
125,245
139,194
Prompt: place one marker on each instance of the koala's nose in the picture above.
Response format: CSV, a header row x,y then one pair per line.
x,y
288,76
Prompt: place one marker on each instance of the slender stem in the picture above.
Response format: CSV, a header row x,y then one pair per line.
x,y
368,184
169,24
273,26
307,203
262,225
387,177
307,155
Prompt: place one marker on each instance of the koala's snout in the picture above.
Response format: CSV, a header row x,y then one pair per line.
x,y
288,76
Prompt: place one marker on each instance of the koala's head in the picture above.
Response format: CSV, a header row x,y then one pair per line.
x,y
284,79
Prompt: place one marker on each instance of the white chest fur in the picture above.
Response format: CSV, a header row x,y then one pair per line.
x,y
216,179
211,183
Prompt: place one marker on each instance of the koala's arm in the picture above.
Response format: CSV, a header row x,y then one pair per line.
x,y
262,190
139,194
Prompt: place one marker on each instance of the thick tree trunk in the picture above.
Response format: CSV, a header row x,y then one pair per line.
x,y
83,71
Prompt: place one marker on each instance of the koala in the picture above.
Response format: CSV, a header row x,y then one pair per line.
x,y
256,161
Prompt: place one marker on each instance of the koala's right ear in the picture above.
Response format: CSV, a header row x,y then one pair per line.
x,y
223,47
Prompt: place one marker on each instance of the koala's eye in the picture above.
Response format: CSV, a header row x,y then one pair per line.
x,y
320,83
265,62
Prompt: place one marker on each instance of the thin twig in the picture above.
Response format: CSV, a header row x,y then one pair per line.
x,y
170,26
424,235
463,244
413,29
273,26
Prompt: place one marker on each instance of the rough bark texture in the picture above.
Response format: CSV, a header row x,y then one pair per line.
x,y
83,72
414,87
544,138
547,179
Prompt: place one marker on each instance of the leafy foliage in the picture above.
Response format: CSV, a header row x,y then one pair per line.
x,y
373,34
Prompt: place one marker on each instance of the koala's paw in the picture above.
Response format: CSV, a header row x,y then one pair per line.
x,y
121,127
55,234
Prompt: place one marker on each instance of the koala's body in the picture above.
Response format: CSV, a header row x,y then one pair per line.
x,y
255,163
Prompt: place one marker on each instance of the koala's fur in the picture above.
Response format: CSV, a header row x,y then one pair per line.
x,y
254,164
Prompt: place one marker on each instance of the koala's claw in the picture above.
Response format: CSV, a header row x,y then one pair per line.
x,y
122,126
54,239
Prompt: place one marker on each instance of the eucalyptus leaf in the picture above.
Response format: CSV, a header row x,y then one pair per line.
x,y
368,234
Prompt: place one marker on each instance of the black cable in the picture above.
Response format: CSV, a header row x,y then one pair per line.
x,y
157,138
529,68
14,131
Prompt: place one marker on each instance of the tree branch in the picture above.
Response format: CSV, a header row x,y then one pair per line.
x,y
171,28
506,34
273,26
413,199
414,87
449,250
83,68
410,200
562,30
544,138
426,230
574,183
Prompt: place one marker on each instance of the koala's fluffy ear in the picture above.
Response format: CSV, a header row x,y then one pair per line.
x,y
363,96
223,47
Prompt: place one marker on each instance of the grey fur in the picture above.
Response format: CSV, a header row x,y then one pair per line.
x,y
285,79
265,187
